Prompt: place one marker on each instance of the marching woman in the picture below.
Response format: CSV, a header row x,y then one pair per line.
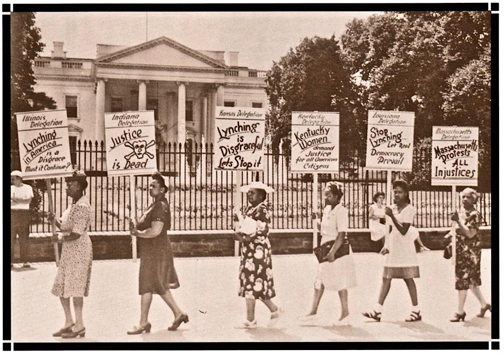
x,y
337,271
157,270
468,254
256,269
74,271
377,225
401,259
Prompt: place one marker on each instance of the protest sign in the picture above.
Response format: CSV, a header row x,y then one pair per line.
x,y
455,156
130,143
43,144
315,142
239,138
390,140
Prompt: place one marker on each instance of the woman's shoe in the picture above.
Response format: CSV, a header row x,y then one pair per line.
x,y
178,321
246,325
458,317
80,333
275,316
63,331
414,317
373,315
488,307
139,330
308,318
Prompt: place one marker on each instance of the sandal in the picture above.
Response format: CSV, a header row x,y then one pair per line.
x,y
414,317
373,315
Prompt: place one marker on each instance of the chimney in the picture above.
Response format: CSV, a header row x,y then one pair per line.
x,y
58,50
232,58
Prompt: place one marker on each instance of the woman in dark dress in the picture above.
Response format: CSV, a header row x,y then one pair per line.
x,y
157,270
256,270
468,254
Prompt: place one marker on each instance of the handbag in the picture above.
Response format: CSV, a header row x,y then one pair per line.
x,y
322,250
447,253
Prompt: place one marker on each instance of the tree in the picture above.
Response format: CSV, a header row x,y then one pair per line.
x,y
25,46
310,77
436,64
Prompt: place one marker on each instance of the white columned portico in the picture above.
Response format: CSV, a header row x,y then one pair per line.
x,y
100,109
181,115
142,95
211,121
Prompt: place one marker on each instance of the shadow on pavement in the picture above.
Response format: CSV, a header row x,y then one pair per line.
x,y
476,322
271,334
164,336
422,327
22,269
349,331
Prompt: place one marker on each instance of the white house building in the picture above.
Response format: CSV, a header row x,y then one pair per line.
x,y
182,85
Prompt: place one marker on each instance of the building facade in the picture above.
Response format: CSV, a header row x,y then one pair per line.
x,y
181,85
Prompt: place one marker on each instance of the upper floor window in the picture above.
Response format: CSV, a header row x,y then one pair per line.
x,y
116,104
189,113
71,104
257,104
229,104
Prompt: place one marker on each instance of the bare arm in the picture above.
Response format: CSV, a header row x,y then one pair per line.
x,y
152,232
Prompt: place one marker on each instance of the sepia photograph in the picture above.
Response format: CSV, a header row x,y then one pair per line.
x,y
248,174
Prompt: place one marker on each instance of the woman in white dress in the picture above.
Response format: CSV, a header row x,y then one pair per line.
x,y
401,259
377,217
337,274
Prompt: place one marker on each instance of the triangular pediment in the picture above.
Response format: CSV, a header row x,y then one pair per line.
x,y
162,52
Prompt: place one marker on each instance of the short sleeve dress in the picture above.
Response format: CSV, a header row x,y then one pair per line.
x,y
74,272
468,257
157,269
376,228
402,261
339,274
256,268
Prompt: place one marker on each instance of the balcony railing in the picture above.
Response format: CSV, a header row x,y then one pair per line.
x,y
43,63
71,65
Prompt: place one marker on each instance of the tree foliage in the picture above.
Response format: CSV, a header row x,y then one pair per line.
x,y
310,77
25,46
436,64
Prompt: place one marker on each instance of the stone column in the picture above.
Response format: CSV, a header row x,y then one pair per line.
x,y
220,95
100,109
181,119
211,118
142,95
204,118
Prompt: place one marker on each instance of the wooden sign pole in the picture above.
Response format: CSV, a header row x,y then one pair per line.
x,y
53,223
454,224
133,215
315,204
237,204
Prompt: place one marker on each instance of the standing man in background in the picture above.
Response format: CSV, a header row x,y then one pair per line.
x,y
21,196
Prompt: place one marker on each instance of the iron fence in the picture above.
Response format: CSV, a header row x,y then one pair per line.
x,y
202,198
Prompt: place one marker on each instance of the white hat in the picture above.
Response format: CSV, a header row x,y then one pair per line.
x,y
257,185
17,173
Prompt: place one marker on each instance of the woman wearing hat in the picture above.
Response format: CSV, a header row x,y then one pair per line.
x,y
74,271
468,254
21,196
157,270
256,270
336,273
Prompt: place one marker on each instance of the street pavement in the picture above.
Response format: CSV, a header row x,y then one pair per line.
x,y
208,293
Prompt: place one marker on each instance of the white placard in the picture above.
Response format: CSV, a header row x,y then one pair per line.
x,y
130,143
455,156
239,138
44,148
390,140
315,142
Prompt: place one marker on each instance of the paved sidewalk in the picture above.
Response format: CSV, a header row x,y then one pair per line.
x,y
208,293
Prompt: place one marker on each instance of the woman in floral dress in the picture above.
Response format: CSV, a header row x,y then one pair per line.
x,y
468,254
256,271
74,271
